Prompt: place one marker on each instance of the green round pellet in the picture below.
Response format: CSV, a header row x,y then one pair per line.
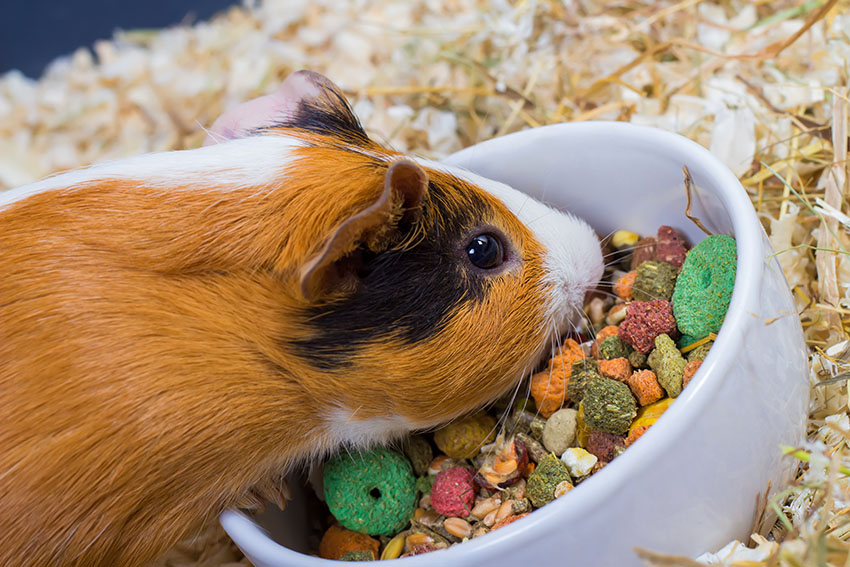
x,y
372,492
704,286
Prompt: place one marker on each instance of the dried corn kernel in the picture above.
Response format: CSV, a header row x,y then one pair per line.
x,y
562,488
635,433
649,414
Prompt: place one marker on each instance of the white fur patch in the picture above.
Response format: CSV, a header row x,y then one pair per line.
x,y
344,428
245,162
573,254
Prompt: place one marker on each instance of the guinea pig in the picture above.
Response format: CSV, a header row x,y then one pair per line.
x,y
179,329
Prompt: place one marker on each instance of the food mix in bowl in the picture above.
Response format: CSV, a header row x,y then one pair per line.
x,y
590,402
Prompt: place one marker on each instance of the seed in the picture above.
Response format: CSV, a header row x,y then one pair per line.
x,y
416,539
479,531
428,518
425,501
616,315
505,510
458,527
562,488
517,491
489,519
485,507
394,548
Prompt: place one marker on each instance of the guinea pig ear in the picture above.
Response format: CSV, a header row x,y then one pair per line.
x,y
305,100
338,262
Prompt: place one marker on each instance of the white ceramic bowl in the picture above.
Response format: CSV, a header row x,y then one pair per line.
x,y
690,484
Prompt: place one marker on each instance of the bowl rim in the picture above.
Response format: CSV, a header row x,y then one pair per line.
x,y
694,399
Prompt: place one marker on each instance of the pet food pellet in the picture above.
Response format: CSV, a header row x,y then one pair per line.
x,y
608,406
372,492
648,415
668,364
624,285
453,493
596,310
645,387
521,505
699,352
637,359
669,246
704,286
605,446
536,451
569,353
462,439
616,368
560,431
635,433
644,251
690,369
548,388
613,347
337,541
644,321
581,427
654,280
358,556
458,527
578,461
583,371
542,483
419,451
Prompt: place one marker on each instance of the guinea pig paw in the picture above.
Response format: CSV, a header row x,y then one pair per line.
x,y
275,490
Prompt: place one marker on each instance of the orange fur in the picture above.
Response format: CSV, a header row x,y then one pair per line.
x,y
146,382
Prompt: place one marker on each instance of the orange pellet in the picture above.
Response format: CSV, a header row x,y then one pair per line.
x,y
645,387
635,433
690,369
604,333
549,390
617,368
338,541
623,286
569,352
508,520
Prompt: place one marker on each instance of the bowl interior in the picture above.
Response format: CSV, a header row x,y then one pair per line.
x,y
615,176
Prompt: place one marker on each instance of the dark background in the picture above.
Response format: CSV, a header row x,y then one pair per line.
x,y
34,32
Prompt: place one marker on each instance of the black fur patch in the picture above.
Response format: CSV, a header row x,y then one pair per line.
x,y
330,116
408,293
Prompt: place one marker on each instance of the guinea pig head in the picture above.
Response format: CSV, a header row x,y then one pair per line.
x,y
428,291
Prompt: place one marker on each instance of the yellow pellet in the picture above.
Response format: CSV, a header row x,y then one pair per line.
x,y
623,238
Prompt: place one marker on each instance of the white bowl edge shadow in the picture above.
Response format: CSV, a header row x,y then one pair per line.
x,y
752,254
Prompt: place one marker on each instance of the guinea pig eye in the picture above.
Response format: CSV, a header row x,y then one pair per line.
x,y
486,251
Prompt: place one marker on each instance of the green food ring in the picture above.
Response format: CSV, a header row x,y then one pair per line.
x,y
704,286
372,492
